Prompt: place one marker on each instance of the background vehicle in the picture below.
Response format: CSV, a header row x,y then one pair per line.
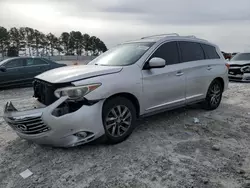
x,y
105,97
240,67
234,53
227,55
22,70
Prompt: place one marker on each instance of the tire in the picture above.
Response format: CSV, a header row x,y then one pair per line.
x,y
119,117
214,95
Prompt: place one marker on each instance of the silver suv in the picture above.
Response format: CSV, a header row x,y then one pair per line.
x,y
78,104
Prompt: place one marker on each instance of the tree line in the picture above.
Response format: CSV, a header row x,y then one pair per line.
x,y
31,42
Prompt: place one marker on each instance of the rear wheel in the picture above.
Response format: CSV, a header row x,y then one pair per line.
x,y
214,95
119,116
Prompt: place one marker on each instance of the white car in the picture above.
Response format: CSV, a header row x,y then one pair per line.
x,y
240,67
79,104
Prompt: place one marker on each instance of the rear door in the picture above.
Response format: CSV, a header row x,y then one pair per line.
x,y
35,66
196,68
14,73
42,64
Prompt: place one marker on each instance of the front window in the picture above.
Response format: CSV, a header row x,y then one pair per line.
x,y
16,63
3,62
241,57
122,55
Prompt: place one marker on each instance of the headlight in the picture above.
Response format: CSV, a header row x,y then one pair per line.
x,y
77,92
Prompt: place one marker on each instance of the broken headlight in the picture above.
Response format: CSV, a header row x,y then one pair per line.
x,y
245,69
77,92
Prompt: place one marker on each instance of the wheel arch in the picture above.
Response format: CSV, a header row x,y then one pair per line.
x,y
221,82
128,96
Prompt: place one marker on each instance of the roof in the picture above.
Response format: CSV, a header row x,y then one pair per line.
x,y
174,36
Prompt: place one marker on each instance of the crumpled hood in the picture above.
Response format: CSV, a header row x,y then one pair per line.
x,y
77,72
239,62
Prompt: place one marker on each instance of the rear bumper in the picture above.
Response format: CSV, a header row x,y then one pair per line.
x,y
42,127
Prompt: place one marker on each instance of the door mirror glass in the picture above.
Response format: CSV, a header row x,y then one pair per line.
x,y
156,62
3,69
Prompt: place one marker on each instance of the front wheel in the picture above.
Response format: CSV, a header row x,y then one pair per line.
x,y
214,95
119,116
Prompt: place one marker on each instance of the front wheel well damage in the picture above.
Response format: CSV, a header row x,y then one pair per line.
x,y
128,96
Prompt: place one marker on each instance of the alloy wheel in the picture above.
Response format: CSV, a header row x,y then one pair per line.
x,y
118,120
215,94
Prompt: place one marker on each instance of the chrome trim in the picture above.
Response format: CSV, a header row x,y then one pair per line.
x,y
26,124
194,96
164,104
234,68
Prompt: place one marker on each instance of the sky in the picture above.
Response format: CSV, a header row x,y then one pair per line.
x,y
223,22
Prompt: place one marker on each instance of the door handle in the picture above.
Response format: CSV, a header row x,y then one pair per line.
x,y
179,73
209,67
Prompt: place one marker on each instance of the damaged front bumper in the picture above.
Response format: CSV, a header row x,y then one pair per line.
x,y
55,125
244,77
239,73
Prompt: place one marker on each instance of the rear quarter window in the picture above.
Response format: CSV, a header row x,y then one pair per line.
x,y
210,51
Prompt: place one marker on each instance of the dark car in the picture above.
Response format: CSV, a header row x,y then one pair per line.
x,y
240,67
22,70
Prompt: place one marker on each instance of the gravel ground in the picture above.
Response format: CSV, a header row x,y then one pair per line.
x,y
165,150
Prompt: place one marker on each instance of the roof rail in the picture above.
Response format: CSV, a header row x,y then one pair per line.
x,y
190,36
168,34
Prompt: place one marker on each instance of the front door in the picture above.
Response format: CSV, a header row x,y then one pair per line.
x,y
164,87
14,73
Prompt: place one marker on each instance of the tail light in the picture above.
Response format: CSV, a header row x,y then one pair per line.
x,y
227,65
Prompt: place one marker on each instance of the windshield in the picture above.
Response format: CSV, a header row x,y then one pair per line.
x,y
122,55
3,61
241,57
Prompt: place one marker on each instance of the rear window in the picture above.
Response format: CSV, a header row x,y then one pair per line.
x,y
210,52
39,62
191,51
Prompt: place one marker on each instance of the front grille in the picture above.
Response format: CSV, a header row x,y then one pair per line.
x,y
29,125
44,92
234,71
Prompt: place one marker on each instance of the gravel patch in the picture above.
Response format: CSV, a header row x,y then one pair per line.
x,y
165,150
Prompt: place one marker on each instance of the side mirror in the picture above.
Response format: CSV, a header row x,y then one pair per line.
x,y
156,62
3,69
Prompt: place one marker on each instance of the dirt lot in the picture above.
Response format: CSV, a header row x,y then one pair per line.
x,y
166,150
